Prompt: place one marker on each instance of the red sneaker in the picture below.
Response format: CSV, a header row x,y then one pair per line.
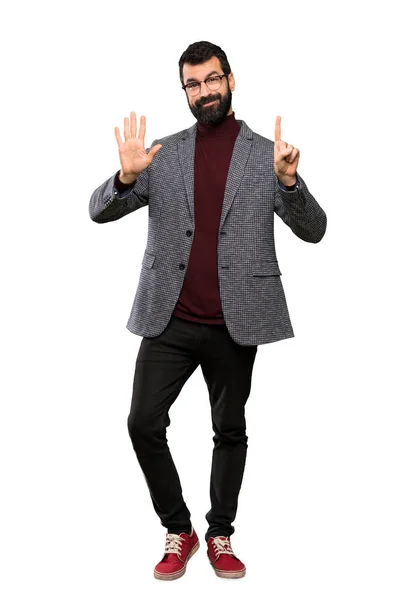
x,y
178,549
222,558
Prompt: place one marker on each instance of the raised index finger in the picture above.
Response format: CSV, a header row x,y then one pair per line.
x,y
278,129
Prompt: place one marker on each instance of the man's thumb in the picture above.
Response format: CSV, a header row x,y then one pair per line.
x,y
154,150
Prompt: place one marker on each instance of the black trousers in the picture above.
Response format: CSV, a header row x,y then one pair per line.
x,y
164,363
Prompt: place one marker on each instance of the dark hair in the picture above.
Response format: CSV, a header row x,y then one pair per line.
x,y
200,52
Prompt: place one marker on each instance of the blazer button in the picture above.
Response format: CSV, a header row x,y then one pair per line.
x,y
181,266
189,232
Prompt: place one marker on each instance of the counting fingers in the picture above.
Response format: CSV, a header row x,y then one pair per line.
x,y
293,155
133,124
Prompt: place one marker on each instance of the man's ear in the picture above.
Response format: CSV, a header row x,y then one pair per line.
x,y
231,80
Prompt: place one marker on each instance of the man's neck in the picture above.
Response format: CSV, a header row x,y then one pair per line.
x,y
227,126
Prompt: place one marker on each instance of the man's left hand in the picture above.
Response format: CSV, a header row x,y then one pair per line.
x,y
286,158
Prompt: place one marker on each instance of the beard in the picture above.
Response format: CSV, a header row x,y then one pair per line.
x,y
214,114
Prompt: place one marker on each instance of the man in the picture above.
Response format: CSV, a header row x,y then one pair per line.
x,y
210,288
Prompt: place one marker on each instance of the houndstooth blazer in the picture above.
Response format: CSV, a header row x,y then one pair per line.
x,y
252,296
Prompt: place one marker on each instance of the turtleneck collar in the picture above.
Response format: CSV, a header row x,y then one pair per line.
x,y
228,126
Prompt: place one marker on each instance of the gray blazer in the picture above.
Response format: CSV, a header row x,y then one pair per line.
x,y
252,296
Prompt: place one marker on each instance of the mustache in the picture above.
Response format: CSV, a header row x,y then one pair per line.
x,y
200,103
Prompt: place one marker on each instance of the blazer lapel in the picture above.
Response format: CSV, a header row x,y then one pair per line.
x,y
186,148
240,154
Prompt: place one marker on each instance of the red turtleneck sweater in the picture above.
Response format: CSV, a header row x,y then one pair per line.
x,y
199,299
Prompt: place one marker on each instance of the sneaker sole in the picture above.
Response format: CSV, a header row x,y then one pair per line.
x,y
177,574
228,574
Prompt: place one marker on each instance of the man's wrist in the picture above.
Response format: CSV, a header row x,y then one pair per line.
x,y
126,179
119,186
287,188
288,181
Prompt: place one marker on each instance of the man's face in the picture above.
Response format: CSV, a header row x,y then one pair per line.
x,y
221,98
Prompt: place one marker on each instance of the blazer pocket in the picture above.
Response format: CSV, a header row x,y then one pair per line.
x,y
148,260
265,268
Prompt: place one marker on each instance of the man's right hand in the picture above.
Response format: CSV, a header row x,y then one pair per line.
x,y
132,152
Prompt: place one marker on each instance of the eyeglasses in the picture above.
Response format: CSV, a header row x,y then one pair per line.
x,y
213,83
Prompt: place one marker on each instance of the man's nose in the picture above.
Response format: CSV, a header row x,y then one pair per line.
x,y
203,83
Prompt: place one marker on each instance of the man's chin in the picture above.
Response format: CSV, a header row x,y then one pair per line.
x,y
210,116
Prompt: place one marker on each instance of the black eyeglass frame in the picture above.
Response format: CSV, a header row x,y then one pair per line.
x,y
205,81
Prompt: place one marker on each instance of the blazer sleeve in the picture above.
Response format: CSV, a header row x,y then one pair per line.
x,y
108,204
301,212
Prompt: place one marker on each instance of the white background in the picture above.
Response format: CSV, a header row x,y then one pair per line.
x,y
318,513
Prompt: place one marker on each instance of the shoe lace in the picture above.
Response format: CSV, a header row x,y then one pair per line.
x,y
173,543
222,546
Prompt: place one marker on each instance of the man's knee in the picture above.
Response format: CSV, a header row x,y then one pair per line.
x,y
146,431
230,435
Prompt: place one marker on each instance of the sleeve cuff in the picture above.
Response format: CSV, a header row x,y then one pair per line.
x,y
289,188
122,187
